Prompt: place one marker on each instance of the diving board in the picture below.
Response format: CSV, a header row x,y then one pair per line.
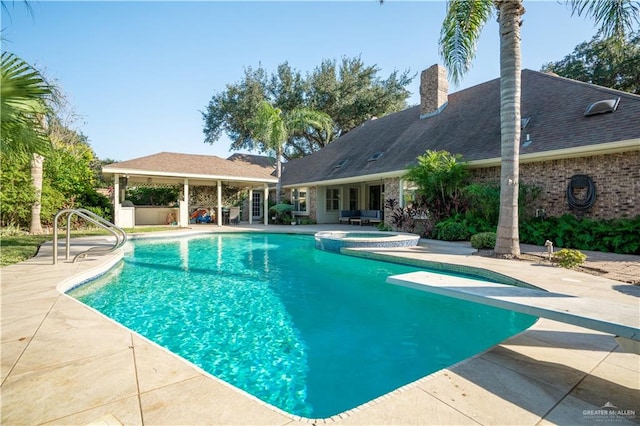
x,y
623,321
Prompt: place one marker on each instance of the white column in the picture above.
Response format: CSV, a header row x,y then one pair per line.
x,y
266,204
401,193
116,199
250,206
219,214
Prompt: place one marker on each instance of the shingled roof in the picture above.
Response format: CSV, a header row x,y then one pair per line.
x,y
170,164
470,125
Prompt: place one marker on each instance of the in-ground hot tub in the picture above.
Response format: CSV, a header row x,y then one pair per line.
x,y
336,240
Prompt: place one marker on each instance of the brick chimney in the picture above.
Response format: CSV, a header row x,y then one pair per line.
x,y
434,90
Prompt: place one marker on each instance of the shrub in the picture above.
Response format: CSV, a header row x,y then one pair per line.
x,y
409,219
484,201
451,230
440,177
282,213
569,258
617,235
383,227
483,240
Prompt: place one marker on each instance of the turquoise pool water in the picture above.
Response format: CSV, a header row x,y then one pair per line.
x,y
314,333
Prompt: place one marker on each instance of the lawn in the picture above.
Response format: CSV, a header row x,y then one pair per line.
x,y
19,247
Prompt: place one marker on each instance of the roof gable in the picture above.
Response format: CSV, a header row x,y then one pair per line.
x,y
470,125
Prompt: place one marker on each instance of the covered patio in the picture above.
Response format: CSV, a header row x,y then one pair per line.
x,y
187,171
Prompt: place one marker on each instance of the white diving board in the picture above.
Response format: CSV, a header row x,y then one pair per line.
x,y
623,321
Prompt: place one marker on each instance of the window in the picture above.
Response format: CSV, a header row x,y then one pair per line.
x,y
333,199
376,156
354,198
409,195
299,200
256,205
375,197
340,164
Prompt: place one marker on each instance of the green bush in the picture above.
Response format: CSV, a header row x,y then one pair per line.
x,y
483,240
150,196
484,201
569,258
281,213
451,230
383,227
618,235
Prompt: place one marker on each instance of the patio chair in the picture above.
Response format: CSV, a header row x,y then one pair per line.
x,y
234,216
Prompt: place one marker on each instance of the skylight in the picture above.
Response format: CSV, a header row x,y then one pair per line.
x,y
376,156
601,107
524,121
341,164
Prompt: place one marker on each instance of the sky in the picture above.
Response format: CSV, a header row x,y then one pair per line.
x,y
138,74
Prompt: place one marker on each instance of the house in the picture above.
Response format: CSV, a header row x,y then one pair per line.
x,y
569,129
575,137
204,181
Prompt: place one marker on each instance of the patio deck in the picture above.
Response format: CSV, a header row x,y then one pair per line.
x,y
64,363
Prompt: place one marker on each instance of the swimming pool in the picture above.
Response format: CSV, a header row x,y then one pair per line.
x,y
311,332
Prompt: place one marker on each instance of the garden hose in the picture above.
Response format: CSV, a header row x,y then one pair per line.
x,y
579,182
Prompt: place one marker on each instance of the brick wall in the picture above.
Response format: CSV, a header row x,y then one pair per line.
x,y
616,178
391,191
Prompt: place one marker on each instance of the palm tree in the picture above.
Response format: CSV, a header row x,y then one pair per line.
x,y
458,39
273,128
24,94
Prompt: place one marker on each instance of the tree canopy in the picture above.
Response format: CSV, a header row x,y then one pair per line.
x,y
350,92
610,62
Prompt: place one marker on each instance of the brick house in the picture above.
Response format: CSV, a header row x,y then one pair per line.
x,y
569,128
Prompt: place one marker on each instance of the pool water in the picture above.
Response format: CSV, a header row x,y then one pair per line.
x,y
311,332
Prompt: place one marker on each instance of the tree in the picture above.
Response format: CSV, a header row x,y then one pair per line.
x,y
440,177
350,94
607,63
272,128
24,96
459,35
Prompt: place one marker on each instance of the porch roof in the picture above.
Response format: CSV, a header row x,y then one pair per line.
x,y
173,168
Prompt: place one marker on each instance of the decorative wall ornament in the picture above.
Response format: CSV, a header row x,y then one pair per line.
x,y
581,193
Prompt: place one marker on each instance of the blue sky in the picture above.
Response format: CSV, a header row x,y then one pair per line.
x,y
139,73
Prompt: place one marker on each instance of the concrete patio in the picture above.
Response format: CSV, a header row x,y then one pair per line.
x,y
64,363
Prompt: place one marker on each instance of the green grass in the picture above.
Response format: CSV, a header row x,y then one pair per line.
x,y
17,247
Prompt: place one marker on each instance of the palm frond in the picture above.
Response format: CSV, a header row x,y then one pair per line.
x,y
615,17
301,119
460,33
24,96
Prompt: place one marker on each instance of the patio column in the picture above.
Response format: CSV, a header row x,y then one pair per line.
x,y
250,205
266,204
219,214
116,199
184,205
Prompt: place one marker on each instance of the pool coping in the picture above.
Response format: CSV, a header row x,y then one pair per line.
x,y
604,353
